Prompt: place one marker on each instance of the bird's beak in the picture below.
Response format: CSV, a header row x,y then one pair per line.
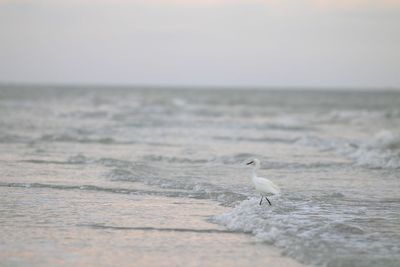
x,y
251,162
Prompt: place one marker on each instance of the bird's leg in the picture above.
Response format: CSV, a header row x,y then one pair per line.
x,y
261,200
268,201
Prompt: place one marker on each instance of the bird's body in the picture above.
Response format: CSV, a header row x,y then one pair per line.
x,y
265,186
262,185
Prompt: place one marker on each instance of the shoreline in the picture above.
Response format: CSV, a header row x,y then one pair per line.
x,y
128,230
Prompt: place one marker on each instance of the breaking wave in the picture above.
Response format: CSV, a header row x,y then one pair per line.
x,y
361,116
382,151
307,231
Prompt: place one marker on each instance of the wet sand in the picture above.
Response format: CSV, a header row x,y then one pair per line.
x,y
137,231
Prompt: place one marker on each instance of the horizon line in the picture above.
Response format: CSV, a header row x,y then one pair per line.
x,y
197,87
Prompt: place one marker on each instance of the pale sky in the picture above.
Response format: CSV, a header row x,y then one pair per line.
x,y
263,43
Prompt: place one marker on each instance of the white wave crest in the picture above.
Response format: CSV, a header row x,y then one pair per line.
x,y
380,151
304,229
361,116
385,140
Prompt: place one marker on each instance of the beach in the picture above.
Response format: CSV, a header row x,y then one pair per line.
x,y
110,176
157,231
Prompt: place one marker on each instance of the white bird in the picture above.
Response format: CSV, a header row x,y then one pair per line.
x,y
263,185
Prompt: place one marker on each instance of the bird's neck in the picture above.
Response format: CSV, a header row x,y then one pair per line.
x,y
254,175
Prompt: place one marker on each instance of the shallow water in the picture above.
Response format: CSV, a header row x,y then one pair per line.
x,y
96,162
81,228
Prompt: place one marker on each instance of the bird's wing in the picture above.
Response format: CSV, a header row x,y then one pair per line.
x,y
268,185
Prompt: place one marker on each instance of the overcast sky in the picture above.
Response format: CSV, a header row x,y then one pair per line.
x,y
295,43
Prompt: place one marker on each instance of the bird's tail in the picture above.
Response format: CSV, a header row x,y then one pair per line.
x,y
275,189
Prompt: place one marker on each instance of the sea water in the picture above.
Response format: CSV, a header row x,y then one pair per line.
x,y
82,166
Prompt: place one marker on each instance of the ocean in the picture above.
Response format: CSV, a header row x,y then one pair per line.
x,y
109,176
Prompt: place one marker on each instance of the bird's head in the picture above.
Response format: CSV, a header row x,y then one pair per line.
x,y
254,162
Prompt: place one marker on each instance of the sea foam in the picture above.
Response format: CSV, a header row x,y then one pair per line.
x,y
381,151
